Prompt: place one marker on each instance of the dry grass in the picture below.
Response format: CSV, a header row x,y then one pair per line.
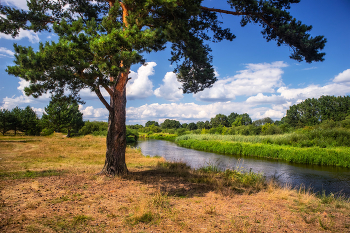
x,y
47,184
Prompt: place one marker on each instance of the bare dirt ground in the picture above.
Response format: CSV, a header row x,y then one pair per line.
x,y
49,185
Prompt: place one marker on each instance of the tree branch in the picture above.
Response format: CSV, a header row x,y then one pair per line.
x,y
99,95
239,13
109,90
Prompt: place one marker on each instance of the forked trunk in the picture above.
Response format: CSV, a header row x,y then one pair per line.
x,y
116,137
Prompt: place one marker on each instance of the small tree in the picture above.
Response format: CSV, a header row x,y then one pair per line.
x,y
30,122
170,124
232,117
5,120
219,119
192,126
63,113
149,123
17,123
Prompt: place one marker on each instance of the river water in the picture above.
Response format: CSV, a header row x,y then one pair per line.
x,y
319,178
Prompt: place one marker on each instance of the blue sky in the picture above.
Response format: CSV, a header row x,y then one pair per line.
x,y
254,76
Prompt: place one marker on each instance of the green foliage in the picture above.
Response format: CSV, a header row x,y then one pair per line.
x,y
313,111
270,129
132,135
242,119
24,120
263,121
91,127
163,136
181,131
149,123
219,119
200,125
232,117
30,122
47,132
5,120
192,126
63,115
170,124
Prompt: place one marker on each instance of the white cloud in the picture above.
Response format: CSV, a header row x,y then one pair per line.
x,y
140,86
11,102
263,99
39,111
31,35
6,52
21,4
268,112
184,112
256,78
89,113
170,90
339,86
313,91
342,77
23,100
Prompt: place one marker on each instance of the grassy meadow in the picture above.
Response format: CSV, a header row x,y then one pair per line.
x,y
288,147
49,184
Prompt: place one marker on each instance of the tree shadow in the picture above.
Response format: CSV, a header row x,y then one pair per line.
x,y
173,182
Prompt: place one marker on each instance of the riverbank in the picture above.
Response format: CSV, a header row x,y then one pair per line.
x,y
159,136
50,185
337,156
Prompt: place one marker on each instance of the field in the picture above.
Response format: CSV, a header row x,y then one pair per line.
x,y
49,184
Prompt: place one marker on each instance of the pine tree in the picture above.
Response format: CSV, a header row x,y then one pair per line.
x,y
63,113
100,40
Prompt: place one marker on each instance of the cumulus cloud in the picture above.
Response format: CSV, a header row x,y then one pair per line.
x,y
342,77
4,52
39,111
23,100
263,99
256,78
184,112
21,4
31,35
170,90
313,91
140,86
90,113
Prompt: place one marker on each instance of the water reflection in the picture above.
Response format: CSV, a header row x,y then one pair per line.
x,y
330,179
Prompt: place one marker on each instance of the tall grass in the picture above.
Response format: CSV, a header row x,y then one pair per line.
x,y
315,155
302,138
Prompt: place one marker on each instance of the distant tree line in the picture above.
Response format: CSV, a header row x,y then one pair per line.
x,y
313,111
23,120
63,115
310,112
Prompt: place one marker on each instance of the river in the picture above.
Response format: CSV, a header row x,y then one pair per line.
x,y
319,178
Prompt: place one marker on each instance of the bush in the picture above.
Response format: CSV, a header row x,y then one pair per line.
x,y
93,126
181,131
47,132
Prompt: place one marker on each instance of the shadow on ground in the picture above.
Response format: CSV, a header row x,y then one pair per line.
x,y
175,183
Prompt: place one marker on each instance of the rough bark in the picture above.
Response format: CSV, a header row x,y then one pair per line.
x,y
116,137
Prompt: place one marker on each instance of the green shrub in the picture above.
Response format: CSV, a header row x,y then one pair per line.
x,y
47,132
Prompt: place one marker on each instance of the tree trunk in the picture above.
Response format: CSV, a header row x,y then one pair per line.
x,y
116,137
